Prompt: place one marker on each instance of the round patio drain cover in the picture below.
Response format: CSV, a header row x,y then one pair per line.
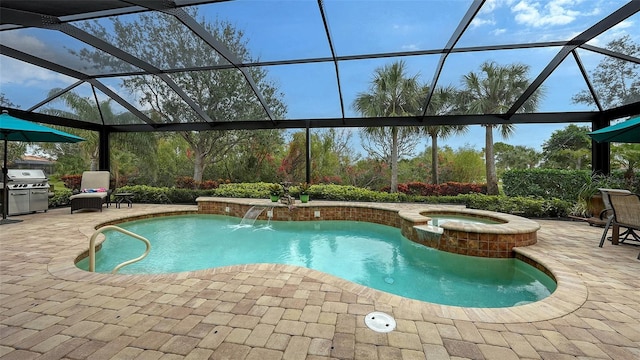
x,y
380,322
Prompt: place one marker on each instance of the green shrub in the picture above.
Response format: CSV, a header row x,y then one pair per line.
x,y
545,183
72,181
347,193
246,190
522,206
448,188
627,181
181,196
186,182
148,194
60,198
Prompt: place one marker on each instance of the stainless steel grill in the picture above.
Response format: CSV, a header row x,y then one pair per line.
x,y
28,191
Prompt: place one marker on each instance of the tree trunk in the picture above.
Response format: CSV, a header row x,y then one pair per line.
x,y
492,177
435,179
198,166
394,159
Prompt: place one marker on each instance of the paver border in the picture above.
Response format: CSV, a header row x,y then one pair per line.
x,y
571,293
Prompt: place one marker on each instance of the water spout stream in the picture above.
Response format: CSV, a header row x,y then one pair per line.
x,y
252,214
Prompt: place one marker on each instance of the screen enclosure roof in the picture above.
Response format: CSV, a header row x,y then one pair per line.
x,y
156,65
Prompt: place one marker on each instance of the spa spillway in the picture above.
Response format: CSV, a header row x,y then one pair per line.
x,y
470,232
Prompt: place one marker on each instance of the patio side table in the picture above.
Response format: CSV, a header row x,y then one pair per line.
x,y
120,197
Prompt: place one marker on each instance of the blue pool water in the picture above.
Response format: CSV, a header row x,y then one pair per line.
x,y
437,220
369,254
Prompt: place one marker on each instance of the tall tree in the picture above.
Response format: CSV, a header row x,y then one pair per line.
x,y
331,155
627,156
443,102
392,93
493,90
568,148
616,81
173,161
330,158
256,159
293,164
76,107
222,94
509,157
462,165
515,157
79,107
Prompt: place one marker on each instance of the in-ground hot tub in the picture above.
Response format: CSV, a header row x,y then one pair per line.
x,y
469,232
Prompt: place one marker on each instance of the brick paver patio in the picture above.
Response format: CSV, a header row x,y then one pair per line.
x,y
51,310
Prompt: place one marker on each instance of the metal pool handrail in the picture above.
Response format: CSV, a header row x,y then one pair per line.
x,y
92,247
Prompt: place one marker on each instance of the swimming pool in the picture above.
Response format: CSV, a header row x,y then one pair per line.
x,y
369,254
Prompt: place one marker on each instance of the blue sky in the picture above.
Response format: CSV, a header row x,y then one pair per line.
x,y
371,27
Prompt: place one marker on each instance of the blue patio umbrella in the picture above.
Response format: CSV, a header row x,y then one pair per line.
x,y
625,132
14,129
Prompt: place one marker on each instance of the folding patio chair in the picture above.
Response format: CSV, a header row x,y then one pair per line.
x,y
608,211
626,213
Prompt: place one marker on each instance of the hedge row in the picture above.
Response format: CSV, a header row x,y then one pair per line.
x,y
569,185
446,189
545,183
523,206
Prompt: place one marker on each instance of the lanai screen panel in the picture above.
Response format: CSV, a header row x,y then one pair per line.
x,y
265,63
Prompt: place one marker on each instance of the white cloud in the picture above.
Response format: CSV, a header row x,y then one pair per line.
x,y
16,40
624,25
627,27
402,28
555,12
486,14
19,73
410,47
499,31
477,22
491,5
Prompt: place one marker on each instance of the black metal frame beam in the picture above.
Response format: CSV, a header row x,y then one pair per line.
x,y
104,150
600,152
12,18
541,118
19,55
334,56
585,76
43,63
54,96
107,91
601,26
520,118
462,26
53,120
79,10
608,52
170,8
149,69
44,21
218,46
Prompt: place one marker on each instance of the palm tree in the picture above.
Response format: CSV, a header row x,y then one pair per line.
x,y
493,91
392,93
85,108
442,103
80,108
